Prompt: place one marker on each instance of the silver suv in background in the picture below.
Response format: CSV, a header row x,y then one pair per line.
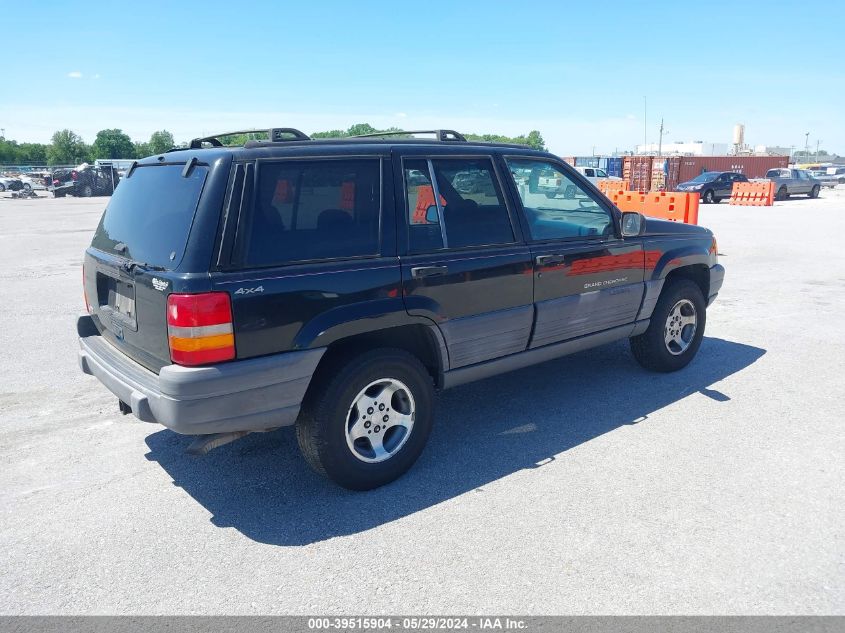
x,y
791,182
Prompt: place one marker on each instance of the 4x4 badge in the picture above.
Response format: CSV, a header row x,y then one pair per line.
x,y
159,284
249,291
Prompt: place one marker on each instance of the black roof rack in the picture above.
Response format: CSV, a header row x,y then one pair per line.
x,y
441,135
275,135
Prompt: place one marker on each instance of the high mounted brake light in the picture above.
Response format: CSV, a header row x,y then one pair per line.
x,y
199,328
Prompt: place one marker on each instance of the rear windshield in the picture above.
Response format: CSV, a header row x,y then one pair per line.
x,y
151,214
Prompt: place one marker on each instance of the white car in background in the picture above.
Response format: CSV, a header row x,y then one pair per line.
x,y
31,182
594,174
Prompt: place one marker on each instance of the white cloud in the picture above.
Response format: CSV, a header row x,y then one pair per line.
x,y
75,74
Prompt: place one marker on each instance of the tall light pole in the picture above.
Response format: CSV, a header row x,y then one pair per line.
x,y
660,143
818,141
807,146
645,125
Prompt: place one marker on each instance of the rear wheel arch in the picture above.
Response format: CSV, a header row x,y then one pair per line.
x,y
422,341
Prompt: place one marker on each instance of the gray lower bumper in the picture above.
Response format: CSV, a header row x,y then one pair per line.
x,y
247,395
717,276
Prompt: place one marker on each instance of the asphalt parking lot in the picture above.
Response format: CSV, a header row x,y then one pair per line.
x,y
584,485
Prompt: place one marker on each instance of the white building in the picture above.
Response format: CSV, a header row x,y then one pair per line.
x,y
691,148
772,150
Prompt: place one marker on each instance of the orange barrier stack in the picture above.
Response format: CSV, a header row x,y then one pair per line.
x,y
425,199
666,205
611,186
756,193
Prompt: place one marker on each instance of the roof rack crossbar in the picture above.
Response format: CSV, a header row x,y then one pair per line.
x,y
275,135
442,135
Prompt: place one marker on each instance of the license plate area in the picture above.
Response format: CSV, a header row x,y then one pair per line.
x,y
116,303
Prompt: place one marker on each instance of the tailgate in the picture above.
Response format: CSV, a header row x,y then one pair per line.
x,y
139,243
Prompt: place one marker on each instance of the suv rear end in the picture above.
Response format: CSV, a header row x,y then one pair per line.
x,y
157,334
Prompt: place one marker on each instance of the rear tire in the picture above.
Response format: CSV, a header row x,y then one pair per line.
x,y
783,194
679,301
815,192
27,187
2,188
330,428
87,191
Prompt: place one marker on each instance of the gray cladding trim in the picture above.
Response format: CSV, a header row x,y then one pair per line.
x,y
577,315
538,355
478,338
247,395
652,294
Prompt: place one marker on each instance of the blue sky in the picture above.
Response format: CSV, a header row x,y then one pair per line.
x,y
577,71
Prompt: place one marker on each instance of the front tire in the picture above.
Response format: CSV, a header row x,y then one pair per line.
x,y
815,192
367,420
709,197
676,329
2,188
87,191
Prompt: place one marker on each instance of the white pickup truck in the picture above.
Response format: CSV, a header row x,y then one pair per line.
x,y
594,174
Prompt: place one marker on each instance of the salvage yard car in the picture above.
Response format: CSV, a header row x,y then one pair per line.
x,y
790,182
334,284
84,181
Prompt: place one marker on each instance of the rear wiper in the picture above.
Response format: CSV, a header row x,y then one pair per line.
x,y
131,264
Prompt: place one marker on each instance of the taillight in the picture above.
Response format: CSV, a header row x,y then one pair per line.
x,y
199,328
57,182
73,175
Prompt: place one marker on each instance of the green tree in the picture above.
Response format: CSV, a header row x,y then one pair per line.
x,y
113,144
330,134
361,128
535,140
142,149
160,142
67,148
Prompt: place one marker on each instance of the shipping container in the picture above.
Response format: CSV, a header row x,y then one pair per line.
x,y
614,166
751,166
636,171
587,161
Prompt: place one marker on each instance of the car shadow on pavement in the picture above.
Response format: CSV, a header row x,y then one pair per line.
x,y
261,486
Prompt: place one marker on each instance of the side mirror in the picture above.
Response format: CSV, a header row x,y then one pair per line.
x,y
633,224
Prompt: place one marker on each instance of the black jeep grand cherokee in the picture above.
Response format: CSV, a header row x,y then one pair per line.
x,y
334,284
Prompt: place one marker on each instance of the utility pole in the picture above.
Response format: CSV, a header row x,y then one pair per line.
x,y
660,143
818,141
645,125
807,146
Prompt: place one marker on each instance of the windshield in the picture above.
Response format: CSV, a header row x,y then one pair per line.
x,y
150,214
706,177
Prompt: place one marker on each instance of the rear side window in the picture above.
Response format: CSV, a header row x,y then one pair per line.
x,y
470,210
307,210
149,217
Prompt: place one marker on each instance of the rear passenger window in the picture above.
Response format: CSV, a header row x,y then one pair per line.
x,y
311,210
454,203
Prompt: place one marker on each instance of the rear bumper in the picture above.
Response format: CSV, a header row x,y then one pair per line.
x,y
247,395
717,276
